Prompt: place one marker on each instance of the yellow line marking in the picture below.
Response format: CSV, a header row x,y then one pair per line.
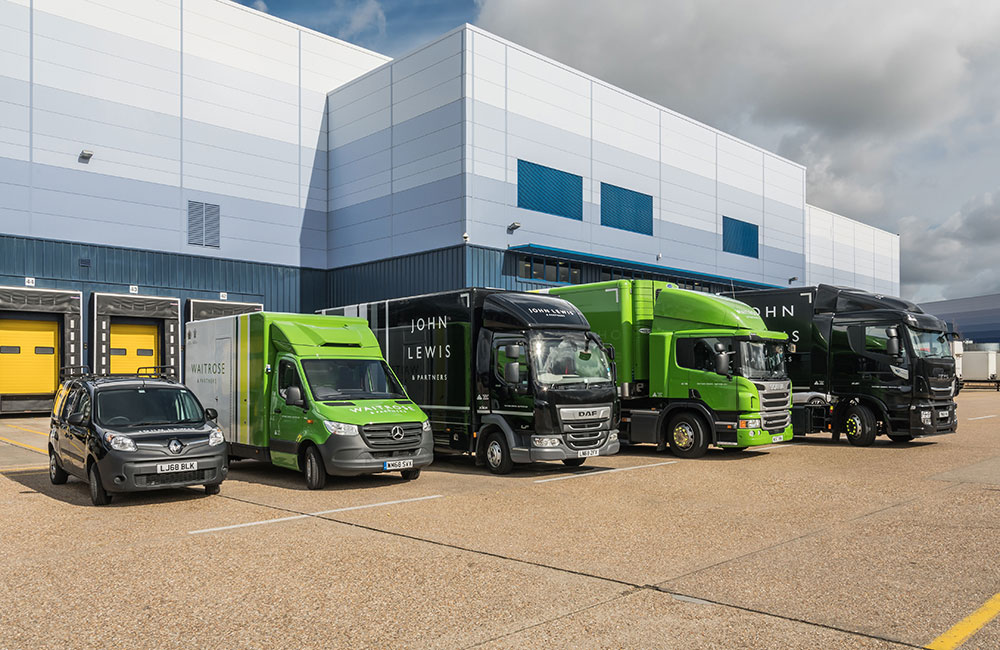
x,y
24,470
968,626
14,426
21,444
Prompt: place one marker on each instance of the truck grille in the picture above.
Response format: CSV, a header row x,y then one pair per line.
x,y
380,436
586,440
774,404
149,480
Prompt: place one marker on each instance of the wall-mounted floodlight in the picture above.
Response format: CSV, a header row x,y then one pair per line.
x,y
659,256
512,227
85,156
791,280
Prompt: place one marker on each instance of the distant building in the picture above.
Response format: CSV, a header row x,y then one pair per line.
x,y
976,318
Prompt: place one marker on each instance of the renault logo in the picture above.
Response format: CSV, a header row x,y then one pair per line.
x,y
397,432
175,446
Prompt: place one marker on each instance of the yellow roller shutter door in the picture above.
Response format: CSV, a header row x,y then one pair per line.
x,y
133,347
29,357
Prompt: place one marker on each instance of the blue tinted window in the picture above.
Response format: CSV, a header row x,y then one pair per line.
x,y
625,209
548,190
739,237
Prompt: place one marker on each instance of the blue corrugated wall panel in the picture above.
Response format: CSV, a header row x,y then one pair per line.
x,y
410,275
739,237
548,190
626,209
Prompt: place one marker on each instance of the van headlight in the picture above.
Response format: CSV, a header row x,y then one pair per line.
x,y
426,426
216,438
340,428
119,442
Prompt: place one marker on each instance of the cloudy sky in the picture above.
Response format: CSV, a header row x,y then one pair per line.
x,y
893,106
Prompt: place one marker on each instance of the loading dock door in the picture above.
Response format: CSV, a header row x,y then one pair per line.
x,y
29,357
133,347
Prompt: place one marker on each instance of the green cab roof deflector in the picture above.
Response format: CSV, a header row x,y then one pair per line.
x,y
694,310
302,336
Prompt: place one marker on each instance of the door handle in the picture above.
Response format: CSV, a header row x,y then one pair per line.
x,y
277,410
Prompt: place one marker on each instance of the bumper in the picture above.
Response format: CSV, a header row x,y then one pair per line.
x,y
943,419
350,456
121,473
562,452
751,437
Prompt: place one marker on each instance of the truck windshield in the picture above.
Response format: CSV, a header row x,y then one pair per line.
x,y
929,344
140,407
351,379
762,359
568,360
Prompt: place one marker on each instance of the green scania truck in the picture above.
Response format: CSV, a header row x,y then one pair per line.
x,y
310,393
694,369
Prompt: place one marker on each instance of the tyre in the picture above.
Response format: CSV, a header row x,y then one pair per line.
x,y
686,436
900,437
410,474
497,453
98,495
215,488
314,469
57,474
859,425
573,462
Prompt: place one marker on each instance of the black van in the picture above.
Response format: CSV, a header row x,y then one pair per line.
x,y
133,433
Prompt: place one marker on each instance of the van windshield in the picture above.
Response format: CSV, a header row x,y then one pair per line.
x,y
351,379
122,408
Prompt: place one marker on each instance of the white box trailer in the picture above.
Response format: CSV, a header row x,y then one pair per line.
x,y
979,366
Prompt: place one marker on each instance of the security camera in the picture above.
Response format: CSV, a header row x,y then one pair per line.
x,y
465,236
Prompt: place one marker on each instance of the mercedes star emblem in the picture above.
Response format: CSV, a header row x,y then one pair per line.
x,y
397,433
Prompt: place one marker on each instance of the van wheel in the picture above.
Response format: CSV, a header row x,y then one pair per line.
x,y
497,454
573,462
410,474
215,488
900,437
314,470
57,474
98,495
686,436
859,425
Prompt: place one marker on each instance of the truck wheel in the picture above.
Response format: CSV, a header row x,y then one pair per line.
x,y
410,474
573,462
57,474
314,470
498,454
215,488
686,436
900,437
859,426
98,495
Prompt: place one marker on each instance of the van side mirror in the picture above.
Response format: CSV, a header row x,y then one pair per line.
x,y
77,419
722,363
512,373
211,414
293,396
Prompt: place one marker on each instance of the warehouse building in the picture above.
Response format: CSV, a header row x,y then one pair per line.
x,y
976,318
163,161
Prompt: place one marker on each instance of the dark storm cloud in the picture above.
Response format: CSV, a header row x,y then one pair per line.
x,y
891,105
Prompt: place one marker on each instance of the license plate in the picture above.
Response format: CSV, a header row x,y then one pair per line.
x,y
777,438
166,468
397,464
586,453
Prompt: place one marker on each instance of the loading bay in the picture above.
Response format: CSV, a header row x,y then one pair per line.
x,y
810,544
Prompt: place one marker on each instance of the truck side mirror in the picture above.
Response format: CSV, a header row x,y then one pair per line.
x,y
513,351
211,414
512,373
611,352
722,363
892,347
293,396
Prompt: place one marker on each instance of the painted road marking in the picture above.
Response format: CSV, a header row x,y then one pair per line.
x,y
14,426
21,444
968,626
312,514
602,471
24,469
777,446
983,417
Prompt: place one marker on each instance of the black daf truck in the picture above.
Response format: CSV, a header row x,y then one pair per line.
x,y
862,363
506,376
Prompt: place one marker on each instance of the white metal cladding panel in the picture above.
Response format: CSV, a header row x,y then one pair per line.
x,y
864,250
15,67
152,22
819,225
625,122
328,63
740,165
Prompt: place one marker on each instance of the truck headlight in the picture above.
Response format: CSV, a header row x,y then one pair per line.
x,y
119,442
925,417
216,438
426,426
545,442
750,424
341,429
612,436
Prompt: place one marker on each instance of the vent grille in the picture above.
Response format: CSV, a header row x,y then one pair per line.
x,y
203,224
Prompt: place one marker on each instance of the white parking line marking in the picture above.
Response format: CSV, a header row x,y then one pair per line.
x,y
312,514
777,446
983,417
602,471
